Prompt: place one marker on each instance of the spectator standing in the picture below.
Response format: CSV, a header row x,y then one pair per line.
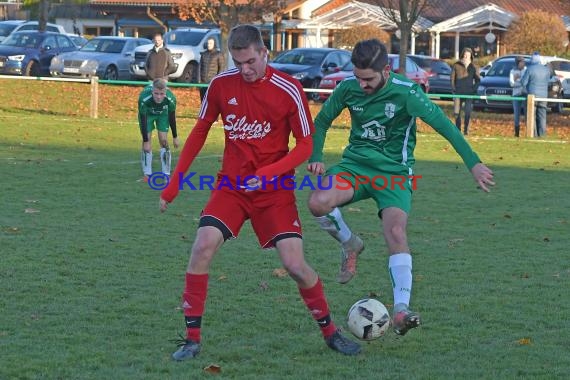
x,y
515,77
464,81
159,62
212,63
535,81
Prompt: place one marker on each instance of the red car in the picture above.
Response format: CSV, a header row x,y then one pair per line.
x,y
413,72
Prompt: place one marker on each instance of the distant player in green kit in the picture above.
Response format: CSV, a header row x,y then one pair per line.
x,y
157,109
383,108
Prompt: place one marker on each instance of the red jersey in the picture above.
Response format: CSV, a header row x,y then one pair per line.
x,y
258,119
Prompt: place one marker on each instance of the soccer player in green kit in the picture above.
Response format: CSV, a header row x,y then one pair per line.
x,y
383,108
157,109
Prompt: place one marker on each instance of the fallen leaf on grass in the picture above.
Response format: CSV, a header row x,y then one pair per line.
x,y
12,230
263,285
524,341
31,211
280,272
222,278
453,242
213,368
32,200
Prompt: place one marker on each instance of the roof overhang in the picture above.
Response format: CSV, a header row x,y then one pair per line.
x,y
356,13
488,16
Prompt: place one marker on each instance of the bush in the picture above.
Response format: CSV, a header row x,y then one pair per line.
x,y
347,38
537,31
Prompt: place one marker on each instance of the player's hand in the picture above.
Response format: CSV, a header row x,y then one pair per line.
x,y
175,142
483,176
253,184
163,205
316,168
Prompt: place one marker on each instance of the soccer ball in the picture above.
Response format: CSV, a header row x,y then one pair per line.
x,y
368,319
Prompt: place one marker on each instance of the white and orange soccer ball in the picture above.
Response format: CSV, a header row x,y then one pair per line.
x,y
368,319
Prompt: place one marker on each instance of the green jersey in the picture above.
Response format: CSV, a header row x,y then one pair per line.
x,y
148,107
383,125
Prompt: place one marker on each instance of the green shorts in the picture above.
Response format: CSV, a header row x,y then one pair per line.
x,y
160,122
387,190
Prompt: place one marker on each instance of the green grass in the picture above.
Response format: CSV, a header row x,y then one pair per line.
x,y
91,273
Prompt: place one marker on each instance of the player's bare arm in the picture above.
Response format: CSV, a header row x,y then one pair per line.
x,y
483,176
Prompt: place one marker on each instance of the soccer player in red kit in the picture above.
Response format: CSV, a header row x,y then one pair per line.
x,y
260,107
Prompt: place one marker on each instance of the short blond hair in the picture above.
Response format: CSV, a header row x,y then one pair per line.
x,y
159,84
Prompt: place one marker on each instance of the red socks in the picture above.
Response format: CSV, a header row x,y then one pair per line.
x,y
316,302
196,290
193,300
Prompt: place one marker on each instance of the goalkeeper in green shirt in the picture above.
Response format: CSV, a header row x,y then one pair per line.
x,y
157,109
378,164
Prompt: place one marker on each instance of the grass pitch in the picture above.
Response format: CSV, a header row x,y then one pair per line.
x,y
92,273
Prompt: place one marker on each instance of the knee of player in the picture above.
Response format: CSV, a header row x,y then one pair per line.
x,y
319,203
296,268
205,245
397,233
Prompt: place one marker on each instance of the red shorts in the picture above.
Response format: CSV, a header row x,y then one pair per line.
x,y
273,214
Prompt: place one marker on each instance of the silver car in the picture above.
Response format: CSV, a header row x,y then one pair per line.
x,y
104,57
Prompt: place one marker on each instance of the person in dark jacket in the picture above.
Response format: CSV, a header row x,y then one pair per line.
x,y
464,81
159,62
212,63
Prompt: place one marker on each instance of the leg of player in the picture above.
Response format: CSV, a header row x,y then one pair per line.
x,y
394,221
323,205
146,157
311,290
208,241
165,157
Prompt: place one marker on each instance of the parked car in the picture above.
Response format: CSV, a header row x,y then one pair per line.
x,y
78,40
310,65
413,72
105,57
34,25
561,69
496,82
7,27
30,53
485,69
185,44
439,73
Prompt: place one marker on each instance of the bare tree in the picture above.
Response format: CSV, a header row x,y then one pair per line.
x,y
228,13
404,14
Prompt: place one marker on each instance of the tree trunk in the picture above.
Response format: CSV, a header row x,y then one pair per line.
x,y
43,17
404,40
